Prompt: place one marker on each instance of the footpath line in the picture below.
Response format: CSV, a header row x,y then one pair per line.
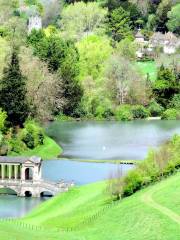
x,y
148,199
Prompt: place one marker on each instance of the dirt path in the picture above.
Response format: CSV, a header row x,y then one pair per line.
x,y
147,199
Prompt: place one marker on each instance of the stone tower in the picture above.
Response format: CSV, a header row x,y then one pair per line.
x,y
35,22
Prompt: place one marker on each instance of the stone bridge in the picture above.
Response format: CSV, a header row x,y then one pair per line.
x,y
23,176
35,188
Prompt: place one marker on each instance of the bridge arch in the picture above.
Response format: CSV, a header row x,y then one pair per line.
x,y
28,174
28,194
46,193
8,190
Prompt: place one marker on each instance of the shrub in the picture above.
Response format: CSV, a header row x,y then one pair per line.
x,y
16,145
171,114
32,134
103,111
133,182
175,102
155,109
29,140
123,113
139,111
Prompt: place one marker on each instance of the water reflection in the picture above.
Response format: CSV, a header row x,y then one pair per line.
x,y
13,206
111,140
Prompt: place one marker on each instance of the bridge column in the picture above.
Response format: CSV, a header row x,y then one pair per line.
x,y
10,171
2,171
15,172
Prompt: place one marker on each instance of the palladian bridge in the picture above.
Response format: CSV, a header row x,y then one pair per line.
x,y
23,176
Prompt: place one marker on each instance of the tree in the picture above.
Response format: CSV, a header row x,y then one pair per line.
x,y
127,48
165,86
69,71
80,19
94,51
13,92
44,89
115,184
118,24
162,11
174,19
124,84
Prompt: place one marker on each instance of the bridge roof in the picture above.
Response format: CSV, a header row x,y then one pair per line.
x,y
6,159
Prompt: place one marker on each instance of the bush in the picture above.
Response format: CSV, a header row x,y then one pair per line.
x,y
123,113
16,145
155,109
139,111
103,110
32,135
171,114
29,140
175,102
133,182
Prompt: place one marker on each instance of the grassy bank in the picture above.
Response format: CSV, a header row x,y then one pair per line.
x,y
148,68
49,150
150,214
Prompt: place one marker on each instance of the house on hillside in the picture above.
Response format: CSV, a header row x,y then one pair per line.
x,y
168,42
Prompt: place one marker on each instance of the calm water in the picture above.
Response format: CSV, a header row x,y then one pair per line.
x,y
111,140
93,140
81,173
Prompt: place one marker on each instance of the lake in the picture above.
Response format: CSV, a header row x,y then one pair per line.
x,y
93,140
110,139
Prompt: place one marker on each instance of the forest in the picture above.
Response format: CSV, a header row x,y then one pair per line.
x,y
104,59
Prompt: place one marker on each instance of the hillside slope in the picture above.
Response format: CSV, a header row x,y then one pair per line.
x,y
152,213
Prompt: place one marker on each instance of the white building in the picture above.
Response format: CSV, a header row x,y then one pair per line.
x,y
34,22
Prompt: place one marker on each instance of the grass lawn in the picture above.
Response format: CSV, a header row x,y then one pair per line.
x,y
49,150
152,213
148,67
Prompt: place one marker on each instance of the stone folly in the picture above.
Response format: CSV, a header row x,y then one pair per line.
x,y
23,176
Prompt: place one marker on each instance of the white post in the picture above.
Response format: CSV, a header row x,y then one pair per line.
x,y
15,172
2,171
9,171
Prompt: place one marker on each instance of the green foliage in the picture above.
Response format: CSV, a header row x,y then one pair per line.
x,y
3,117
165,86
175,102
162,11
32,134
174,19
61,56
82,19
139,111
171,114
13,92
127,48
155,109
118,24
94,51
164,162
123,113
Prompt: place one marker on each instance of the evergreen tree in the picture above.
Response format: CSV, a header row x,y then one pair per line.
x,y
72,90
13,92
165,86
119,24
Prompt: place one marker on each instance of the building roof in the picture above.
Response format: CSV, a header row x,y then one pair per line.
x,y
139,34
5,159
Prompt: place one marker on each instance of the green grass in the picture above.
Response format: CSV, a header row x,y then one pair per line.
x,y
151,213
49,150
148,67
